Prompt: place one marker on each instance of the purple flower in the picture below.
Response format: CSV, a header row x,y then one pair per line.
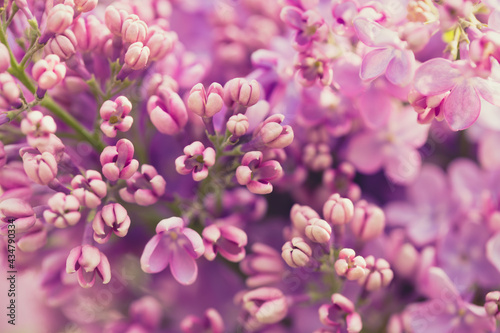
x,y
296,252
378,274
86,261
340,315
309,26
196,160
257,174
318,230
144,188
89,189
167,112
227,240
176,245
265,305
117,161
115,116
264,266
206,103
63,210
350,265
111,219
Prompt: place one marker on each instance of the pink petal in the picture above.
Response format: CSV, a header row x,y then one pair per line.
x,y
375,108
462,106
292,16
488,152
365,152
373,34
492,251
401,68
488,89
403,164
156,255
375,63
440,286
435,77
183,266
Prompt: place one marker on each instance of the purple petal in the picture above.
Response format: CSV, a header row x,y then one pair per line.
x,y
156,255
435,77
194,244
183,266
462,106
375,63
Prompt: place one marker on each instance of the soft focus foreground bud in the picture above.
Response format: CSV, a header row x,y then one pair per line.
x,y
227,240
48,72
40,168
167,112
256,174
206,103
112,218
211,322
62,45
117,161
114,19
4,58
86,261
300,216
18,212
264,266
84,6
63,210
338,210
238,125
89,190
160,42
134,29
176,246
340,314
37,127
147,312
9,89
271,134
240,91
368,221
144,188
350,265
196,160
266,305
34,239
492,305
318,230
378,274
88,32
115,116
296,252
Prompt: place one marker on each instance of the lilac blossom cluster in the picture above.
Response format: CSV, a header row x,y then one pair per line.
x,y
252,166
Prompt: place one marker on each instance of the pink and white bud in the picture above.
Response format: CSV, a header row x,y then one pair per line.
x,y
4,58
114,18
144,188
240,91
227,240
368,221
378,274
137,56
83,6
9,89
318,230
257,174
206,103
266,305
37,127
59,18
63,210
492,304
88,33
160,42
17,212
296,252
40,168
196,160
338,210
300,216
167,112
89,190
111,219
350,265
115,116
48,72
211,322
317,156
86,261
263,266
238,125
134,29
271,134
340,314
118,162
62,45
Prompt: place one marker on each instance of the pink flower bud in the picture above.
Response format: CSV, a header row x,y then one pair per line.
x,y
492,305
63,210
318,230
48,72
4,58
115,116
134,30
86,261
206,103
238,125
227,240
137,56
368,221
9,89
340,314
88,33
240,91
18,212
211,322
196,160
296,252
59,18
117,161
62,45
300,216
89,190
37,127
338,210
40,168
146,311
256,174
263,266
84,6
114,19
160,42
350,265
378,274
167,112
266,305
317,156
33,239
144,188
112,218
271,134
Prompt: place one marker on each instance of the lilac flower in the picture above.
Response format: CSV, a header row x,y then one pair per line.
x,y
378,274
309,26
227,240
368,221
87,261
265,305
338,210
340,315
167,112
145,187
176,245
350,265
115,116
117,161
17,212
264,266
63,210
145,315
38,127
89,189
206,103
296,252
134,29
40,168
196,160
111,219
257,174
318,230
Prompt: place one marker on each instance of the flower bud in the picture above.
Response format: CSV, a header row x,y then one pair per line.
x,y
9,89
117,161
238,125
62,45
263,266
296,252
112,218
271,134
144,188
89,190
211,322
114,19
59,18
378,274
86,261
115,116
137,56
266,305
300,215
317,156
196,160
17,212
240,91
167,112
227,240
350,265
63,210
206,103
84,6
492,305
317,230
37,127
338,210
256,174
368,221
48,72
88,33
160,42
40,168
134,29
4,58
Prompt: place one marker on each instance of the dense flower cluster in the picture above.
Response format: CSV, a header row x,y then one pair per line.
x,y
251,165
